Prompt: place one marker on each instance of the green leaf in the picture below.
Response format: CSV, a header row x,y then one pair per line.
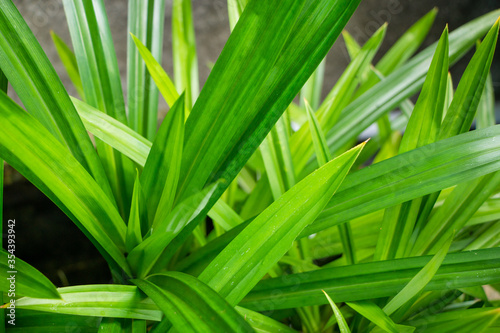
x,y
322,152
457,209
275,150
402,84
41,91
411,175
373,313
161,78
418,283
138,213
161,170
222,214
353,48
155,250
234,9
262,323
425,121
36,154
114,133
98,66
28,280
112,301
311,91
42,322
463,108
372,280
344,328
486,108
191,305
337,99
69,61
218,146
146,20
423,128
401,51
323,155
184,51
242,263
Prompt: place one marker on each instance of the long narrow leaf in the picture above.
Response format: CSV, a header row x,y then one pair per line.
x,y
41,91
21,279
98,66
372,280
114,301
241,88
69,61
402,83
191,305
184,51
235,271
37,155
145,20
411,175
162,168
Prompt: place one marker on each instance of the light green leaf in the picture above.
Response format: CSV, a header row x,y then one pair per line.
x,y
373,313
191,305
184,51
28,281
425,121
235,9
262,323
311,91
138,213
242,263
344,328
323,155
222,214
486,108
114,133
418,283
146,19
113,301
161,170
322,152
69,61
463,108
161,78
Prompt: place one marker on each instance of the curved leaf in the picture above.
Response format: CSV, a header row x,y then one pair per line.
x,y
242,263
28,280
113,301
191,305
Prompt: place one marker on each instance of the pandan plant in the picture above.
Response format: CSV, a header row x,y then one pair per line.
x,y
247,208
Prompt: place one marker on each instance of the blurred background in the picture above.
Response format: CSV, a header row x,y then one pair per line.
x,y
51,242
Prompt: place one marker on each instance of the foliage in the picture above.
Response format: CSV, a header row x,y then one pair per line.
x,y
244,210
